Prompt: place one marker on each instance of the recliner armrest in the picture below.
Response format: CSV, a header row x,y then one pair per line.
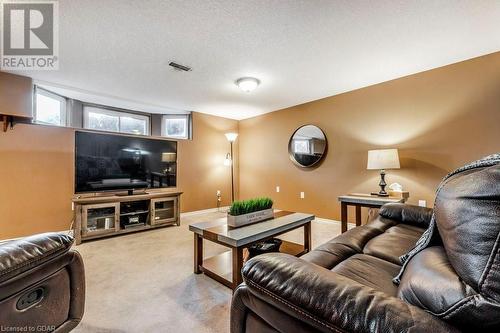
x,y
407,214
330,302
18,256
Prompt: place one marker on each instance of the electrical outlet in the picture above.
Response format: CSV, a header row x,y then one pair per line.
x,y
302,195
277,189
422,203
218,192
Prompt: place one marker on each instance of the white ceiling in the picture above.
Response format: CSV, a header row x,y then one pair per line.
x,y
300,50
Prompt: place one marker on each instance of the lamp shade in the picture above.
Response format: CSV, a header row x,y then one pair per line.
x,y
168,157
383,159
231,137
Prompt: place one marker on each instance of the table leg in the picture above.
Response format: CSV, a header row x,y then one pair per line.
x,y
358,216
307,237
343,216
237,266
198,253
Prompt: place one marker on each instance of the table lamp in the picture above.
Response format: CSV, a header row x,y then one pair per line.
x,y
382,159
168,158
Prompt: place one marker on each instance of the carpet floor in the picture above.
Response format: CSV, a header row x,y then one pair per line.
x,y
144,282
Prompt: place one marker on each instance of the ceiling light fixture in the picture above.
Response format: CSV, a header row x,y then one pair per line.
x,y
247,84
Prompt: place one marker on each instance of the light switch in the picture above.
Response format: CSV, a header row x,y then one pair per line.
x,y
422,203
302,195
277,189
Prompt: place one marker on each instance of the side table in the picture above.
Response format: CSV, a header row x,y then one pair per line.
x,y
359,200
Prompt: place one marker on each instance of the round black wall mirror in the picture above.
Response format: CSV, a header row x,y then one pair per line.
x,y
307,146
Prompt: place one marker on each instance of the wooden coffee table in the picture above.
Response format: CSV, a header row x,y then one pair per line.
x,y
226,267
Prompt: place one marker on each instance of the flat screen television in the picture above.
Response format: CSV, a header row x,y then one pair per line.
x,y
114,162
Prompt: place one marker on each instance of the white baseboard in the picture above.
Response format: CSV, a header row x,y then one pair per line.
x,y
329,221
69,232
204,211
323,220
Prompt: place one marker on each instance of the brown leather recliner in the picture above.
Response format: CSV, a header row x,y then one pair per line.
x,y
42,284
346,284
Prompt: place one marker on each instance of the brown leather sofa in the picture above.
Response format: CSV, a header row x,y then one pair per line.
x,y
346,284
42,284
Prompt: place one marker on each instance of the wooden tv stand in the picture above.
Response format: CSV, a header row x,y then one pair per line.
x,y
100,216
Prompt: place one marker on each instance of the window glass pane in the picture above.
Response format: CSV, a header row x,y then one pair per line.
x,y
175,126
133,125
101,121
48,110
301,146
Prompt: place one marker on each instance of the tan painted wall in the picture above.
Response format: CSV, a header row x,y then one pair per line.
x,y
37,174
438,120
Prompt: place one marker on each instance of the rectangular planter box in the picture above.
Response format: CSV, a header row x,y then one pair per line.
x,y
241,220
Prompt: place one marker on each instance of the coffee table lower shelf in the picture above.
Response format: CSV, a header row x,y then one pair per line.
x,y
226,267
219,267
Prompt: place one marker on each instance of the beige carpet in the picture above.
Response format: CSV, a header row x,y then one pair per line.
x,y
144,282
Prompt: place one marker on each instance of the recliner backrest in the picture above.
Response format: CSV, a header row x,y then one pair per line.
x,y
467,213
460,280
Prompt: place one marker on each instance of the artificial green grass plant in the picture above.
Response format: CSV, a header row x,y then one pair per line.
x,y
250,206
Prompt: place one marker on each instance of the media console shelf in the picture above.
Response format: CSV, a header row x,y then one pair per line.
x,y
103,216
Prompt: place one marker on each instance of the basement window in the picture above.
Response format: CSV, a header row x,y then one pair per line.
x,y
103,119
176,126
50,108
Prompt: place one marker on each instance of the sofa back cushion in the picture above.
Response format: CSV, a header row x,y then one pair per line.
x,y
407,214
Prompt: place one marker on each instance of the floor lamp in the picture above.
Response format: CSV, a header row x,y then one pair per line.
x,y
231,137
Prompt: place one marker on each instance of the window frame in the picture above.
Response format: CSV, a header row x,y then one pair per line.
x,y
111,111
63,110
186,116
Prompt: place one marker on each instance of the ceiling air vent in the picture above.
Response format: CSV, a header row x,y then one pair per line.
x,y
179,67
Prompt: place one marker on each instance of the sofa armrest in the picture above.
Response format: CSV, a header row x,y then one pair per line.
x,y
329,302
407,214
18,256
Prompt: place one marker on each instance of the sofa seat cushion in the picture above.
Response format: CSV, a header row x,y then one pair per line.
x,y
393,243
406,229
333,252
431,283
369,271
381,238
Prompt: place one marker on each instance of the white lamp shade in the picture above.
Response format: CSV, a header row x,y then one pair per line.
x,y
383,159
168,157
231,137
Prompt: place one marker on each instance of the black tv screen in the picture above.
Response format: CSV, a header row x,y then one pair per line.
x,y
110,162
